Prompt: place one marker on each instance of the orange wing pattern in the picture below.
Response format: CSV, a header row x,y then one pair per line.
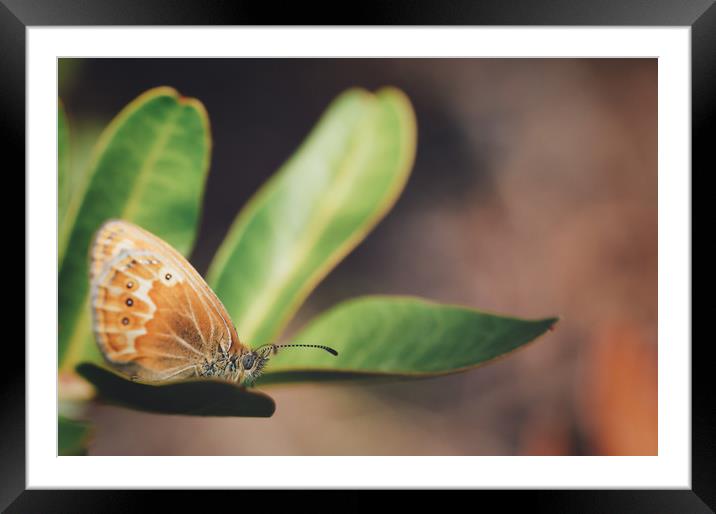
x,y
151,308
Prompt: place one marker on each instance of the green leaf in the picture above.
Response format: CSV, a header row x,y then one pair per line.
x,y
63,164
72,436
189,397
401,336
149,167
321,204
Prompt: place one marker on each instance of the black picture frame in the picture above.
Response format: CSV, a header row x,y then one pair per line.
x,y
16,15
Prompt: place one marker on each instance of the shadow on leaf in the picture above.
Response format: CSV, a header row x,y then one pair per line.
x,y
191,397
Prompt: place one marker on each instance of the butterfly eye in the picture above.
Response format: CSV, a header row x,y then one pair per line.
x,y
247,361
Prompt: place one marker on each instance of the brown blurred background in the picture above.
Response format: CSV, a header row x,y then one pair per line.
x,y
534,193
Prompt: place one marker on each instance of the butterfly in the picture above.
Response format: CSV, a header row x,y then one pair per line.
x,y
154,317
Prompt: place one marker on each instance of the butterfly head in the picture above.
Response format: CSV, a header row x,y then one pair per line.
x,y
248,366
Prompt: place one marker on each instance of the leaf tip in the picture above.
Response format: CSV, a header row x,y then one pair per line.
x,y
552,323
194,103
200,109
400,103
393,92
398,97
160,91
356,92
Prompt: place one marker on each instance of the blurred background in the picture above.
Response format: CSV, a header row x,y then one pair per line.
x,y
534,193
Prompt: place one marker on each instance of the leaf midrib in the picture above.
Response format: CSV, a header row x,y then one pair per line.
x,y
140,184
250,320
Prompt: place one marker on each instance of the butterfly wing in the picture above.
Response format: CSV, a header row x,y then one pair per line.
x,y
151,309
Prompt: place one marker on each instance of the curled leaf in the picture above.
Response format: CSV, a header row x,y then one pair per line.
x,y
189,397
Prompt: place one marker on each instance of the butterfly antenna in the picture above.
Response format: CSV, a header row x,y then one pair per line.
x,y
277,346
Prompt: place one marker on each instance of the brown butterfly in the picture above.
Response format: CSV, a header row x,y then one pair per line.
x,y
156,319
